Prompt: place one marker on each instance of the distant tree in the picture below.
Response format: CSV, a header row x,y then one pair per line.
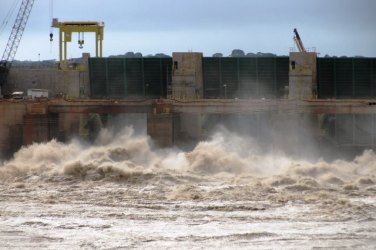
x,y
138,55
260,54
237,53
217,55
251,55
129,54
162,55
116,56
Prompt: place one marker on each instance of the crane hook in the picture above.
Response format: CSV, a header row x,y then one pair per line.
x,y
51,37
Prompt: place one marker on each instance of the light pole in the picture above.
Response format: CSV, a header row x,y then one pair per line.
x,y
225,86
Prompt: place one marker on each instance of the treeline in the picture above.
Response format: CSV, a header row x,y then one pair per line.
x,y
234,53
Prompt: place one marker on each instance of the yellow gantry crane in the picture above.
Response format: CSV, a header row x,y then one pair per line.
x,y
65,35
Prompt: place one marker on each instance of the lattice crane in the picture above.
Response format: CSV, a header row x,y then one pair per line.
x,y
14,39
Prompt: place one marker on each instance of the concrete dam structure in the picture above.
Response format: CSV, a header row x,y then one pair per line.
x,y
328,101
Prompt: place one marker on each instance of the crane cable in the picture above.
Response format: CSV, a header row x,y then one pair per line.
x,y
8,16
51,10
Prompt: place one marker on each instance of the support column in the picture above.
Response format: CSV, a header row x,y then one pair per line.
x,y
303,76
100,46
35,128
65,48
187,75
160,127
61,46
191,127
160,124
96,44
28,130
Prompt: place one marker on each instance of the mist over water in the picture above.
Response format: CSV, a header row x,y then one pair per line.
x,y
124,154
252,197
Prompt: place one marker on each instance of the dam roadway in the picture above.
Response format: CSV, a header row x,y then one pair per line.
x,y
200,106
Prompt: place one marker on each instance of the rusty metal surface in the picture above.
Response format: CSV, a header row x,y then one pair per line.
x,y
99,106
201,106
276,106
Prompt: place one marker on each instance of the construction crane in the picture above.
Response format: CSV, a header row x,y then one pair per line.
x,y
299,42
65,36
14,40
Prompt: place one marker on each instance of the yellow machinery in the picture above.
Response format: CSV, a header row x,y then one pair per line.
x,y
65,35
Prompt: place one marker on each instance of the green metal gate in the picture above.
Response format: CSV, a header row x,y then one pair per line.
x,y
346,78
129,77
245,77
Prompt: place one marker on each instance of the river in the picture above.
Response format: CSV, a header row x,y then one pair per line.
x,y
123,193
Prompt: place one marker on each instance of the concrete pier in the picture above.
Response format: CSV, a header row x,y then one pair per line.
x,y
168,121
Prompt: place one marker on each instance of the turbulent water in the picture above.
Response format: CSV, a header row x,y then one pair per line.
x,y
224,194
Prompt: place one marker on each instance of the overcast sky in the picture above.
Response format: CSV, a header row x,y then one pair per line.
x,y
334,27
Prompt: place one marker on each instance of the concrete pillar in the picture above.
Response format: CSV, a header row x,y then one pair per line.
x,y
84,83
28,130
303,76
191,126
187,75
188,83
35,129
11,127
160,127
71,83
68,126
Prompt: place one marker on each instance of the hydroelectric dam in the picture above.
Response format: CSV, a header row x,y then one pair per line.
x,y
180,99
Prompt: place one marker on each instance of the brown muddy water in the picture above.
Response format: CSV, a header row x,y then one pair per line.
x,y
224,194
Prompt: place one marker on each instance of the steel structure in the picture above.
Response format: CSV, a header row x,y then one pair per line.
x,y
14,39
65,35
206,106
299,42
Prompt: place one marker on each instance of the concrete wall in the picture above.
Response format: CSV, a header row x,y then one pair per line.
x,y
160,127
187,75
303,75
11,127
68,83
72,83
191,126
188,83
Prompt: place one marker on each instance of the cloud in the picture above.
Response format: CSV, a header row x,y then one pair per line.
x,y
212,25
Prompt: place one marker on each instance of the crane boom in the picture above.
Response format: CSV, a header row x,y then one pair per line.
x,y
299,42
16,34
14,39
